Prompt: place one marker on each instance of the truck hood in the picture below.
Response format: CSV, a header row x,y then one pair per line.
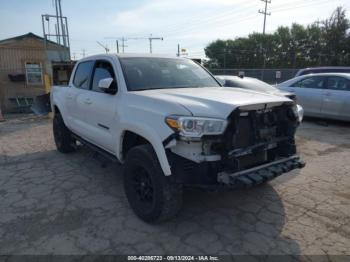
x,y
216,102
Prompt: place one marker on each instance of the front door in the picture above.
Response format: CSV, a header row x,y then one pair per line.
x,y
101,112
336,98
309,94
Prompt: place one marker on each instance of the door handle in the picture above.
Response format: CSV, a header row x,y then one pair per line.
x,y
69,96
88,101
328,94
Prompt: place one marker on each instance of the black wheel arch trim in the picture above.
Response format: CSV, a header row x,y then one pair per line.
x,y
167,140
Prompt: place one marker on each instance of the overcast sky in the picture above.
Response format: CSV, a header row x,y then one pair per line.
x,y
191,23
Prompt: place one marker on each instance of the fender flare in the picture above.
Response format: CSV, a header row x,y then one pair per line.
x,y
153,138
54,104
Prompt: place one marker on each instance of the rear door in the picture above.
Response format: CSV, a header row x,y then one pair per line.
x,y
336,98
309,93
77,98
101,110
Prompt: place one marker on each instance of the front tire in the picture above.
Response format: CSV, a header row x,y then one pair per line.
x,y
64,141
151,194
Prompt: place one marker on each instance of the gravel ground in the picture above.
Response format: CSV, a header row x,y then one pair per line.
x,y
71,204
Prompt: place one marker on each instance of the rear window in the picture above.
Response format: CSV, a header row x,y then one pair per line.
x,y
83,74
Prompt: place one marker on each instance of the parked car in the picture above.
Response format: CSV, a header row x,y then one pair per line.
x,y
322,95
324,69
256,85
173,125
252,84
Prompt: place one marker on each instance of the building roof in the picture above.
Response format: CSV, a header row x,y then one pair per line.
x,y
29,35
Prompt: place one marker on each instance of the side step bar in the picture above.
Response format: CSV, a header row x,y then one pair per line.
x,y
257,175
98,150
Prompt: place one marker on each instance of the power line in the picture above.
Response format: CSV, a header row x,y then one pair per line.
x,y
203,16
225,19
150,42
124,39
265,13
206,19
104,47
219,18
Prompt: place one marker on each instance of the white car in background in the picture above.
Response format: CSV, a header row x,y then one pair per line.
x,y
322,95
255,84
252,84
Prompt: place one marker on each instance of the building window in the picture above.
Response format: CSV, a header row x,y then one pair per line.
x,y
34,74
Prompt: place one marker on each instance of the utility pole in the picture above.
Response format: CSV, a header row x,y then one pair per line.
x,y
178,50
123,43
265,13
124,39
62,24
83,52
117,43
58,24
150,42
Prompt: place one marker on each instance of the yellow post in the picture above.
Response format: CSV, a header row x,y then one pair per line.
x,y
47,85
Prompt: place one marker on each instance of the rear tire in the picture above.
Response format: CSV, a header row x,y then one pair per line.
x,y
64,141
152,195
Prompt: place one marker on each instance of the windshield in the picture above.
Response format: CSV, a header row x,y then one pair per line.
x,y
145,73
253,84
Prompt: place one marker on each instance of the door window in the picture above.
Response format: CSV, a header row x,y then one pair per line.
x,y
82,75
316,82
338,83
103,69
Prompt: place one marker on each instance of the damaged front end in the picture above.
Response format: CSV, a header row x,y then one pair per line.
x,y
257,145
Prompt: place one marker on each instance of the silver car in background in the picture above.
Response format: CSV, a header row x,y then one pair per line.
x,y
322,95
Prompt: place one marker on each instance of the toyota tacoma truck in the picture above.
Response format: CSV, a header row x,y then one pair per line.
x,y
172,125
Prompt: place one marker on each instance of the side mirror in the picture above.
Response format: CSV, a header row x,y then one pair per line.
x,y
108,85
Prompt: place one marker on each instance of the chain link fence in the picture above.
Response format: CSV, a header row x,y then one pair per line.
x,y
271,76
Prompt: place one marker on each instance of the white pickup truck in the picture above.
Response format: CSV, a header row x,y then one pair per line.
x,y
172,125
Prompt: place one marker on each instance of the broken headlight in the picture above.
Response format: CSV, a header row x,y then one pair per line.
x,y
196,127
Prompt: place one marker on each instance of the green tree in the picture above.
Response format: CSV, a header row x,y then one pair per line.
x,y
321,43
336,37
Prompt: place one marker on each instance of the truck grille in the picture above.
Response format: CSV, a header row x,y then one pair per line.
x,y
254,136
254,127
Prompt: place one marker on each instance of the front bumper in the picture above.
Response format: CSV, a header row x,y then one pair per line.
x,y
257,175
